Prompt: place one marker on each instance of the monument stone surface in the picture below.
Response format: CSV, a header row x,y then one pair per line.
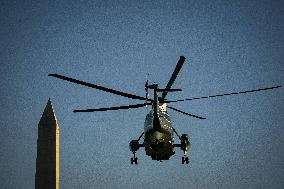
x,y
47,161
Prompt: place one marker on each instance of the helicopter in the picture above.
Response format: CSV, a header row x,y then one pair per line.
x,y
158,132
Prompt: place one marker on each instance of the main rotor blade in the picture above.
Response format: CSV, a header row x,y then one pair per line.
x,y
185,113
98,87
226,94
114,108
173,77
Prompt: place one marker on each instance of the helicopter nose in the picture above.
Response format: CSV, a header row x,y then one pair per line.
x,y
157,145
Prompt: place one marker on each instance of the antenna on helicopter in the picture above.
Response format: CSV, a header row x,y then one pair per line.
x,y
146,90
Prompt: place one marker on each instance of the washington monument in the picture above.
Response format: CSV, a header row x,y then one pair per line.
x,y
47,161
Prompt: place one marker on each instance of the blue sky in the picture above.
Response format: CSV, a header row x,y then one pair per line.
x,y
229,45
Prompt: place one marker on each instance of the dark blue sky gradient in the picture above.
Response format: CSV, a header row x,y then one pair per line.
x,y
229,45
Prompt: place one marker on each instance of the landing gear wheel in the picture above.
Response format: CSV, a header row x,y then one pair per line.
x,y
184,160
134,160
